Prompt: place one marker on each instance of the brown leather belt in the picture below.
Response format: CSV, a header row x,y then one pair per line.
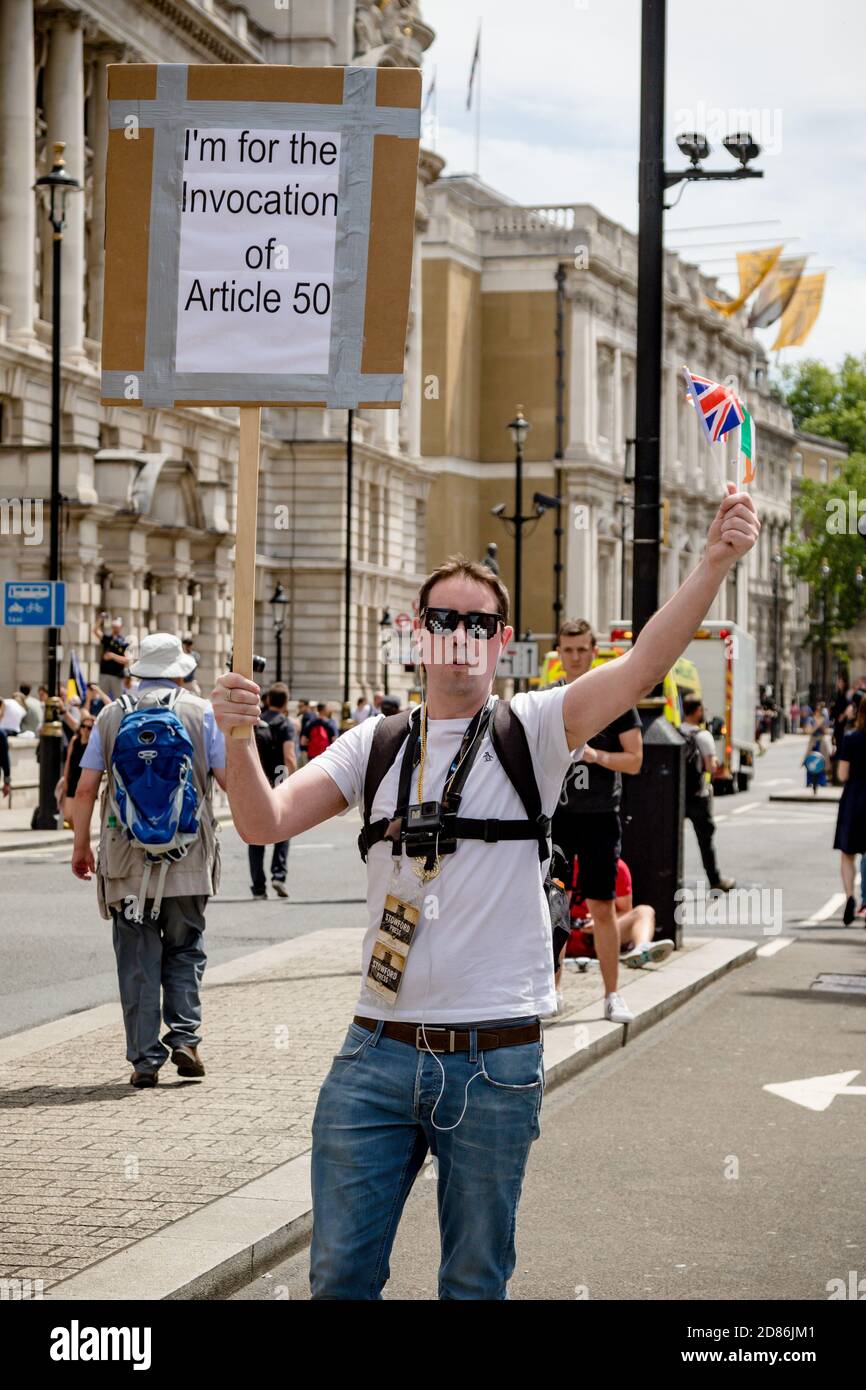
x,y
443,1039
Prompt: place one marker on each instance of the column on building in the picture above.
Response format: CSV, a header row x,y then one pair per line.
x,y
212,625
17,167
671,453
581,551
64,116
581,385
98,140
617,446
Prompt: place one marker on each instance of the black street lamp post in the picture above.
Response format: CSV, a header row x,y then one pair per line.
x,y
55,188
519,428
825,583
656,796
386,626
279,603
542,502
777,694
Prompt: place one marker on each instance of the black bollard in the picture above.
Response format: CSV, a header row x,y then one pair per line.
x,y
653,805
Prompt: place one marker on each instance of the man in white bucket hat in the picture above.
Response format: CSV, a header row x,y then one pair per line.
x,y
157,936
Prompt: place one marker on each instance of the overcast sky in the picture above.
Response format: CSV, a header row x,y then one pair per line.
x,y
559,114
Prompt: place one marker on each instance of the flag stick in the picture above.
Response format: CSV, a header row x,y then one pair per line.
x,y
245,547
478,109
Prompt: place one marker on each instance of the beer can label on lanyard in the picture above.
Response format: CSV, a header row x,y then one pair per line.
x,y
400,917
391,947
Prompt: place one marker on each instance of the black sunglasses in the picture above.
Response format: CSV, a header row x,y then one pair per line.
x,y
439,620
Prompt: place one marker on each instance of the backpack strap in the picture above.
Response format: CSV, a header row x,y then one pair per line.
x,y
512,748
388,735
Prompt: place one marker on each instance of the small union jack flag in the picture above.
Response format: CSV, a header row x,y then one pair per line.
x,y
717,407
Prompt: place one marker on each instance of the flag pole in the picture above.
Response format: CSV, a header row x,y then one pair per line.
x,y
478,109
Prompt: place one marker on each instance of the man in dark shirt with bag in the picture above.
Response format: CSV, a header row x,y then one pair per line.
x,y
586,822
275,741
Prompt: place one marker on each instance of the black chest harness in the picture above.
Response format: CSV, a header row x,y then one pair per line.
x,y
435,827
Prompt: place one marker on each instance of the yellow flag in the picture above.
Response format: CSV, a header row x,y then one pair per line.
x,y
753,267
799,318
777,292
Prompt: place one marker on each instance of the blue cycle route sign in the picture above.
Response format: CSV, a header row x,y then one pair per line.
x,y
34,603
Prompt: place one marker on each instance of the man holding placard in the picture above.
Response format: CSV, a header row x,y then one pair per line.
x,y
445,1052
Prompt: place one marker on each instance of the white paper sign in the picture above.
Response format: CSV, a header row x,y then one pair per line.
x,y
258,226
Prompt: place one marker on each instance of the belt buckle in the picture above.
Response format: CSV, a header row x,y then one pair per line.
x,y
424,1046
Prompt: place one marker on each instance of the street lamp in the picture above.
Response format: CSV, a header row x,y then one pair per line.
x,y
825,576
518,429
279,603
777,694
386,624
54,189
657,796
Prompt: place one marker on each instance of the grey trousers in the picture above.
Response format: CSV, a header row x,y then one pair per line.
x,y
166,955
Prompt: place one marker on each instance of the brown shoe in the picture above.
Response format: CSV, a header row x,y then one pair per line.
x,y
187,1061
144,1078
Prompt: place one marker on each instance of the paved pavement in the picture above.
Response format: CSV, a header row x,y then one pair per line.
x,y
668,1170
154,1161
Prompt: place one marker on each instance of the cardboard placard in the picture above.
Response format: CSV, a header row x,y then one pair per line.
x,y
259,232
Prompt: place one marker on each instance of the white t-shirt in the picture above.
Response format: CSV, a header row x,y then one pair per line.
x,y
485,949
13,714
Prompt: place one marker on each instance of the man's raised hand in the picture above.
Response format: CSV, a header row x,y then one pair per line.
x,y
734,530
235,702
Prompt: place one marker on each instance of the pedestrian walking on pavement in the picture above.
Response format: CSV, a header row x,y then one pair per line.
x,y
445,1051
586,824
816,758
68,784
275,740
850,838
319,733
701,763
162,750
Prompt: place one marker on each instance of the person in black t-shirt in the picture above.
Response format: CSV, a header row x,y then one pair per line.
x,y
114,658
587,823
275,741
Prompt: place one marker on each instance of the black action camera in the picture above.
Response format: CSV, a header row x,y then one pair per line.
x,y
423,831
259,663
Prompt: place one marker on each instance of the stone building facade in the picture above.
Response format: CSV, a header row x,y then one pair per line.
x,y
148,512
490,312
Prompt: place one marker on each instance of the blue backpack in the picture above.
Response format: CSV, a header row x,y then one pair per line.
x,y
153,788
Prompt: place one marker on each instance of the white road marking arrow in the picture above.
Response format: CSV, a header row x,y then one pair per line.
x,y
817,1092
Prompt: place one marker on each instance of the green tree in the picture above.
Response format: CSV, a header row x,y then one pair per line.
x,y
825,531
829,402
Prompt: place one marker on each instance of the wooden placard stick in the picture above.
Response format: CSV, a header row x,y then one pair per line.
x,y
245,548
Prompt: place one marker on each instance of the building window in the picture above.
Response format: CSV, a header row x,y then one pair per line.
x,y
798,465
822,470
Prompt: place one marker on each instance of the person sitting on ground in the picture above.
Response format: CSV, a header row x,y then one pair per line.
x,y
635,925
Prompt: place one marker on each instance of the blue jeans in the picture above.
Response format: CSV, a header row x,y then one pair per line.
x,y
373,1126
167,954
